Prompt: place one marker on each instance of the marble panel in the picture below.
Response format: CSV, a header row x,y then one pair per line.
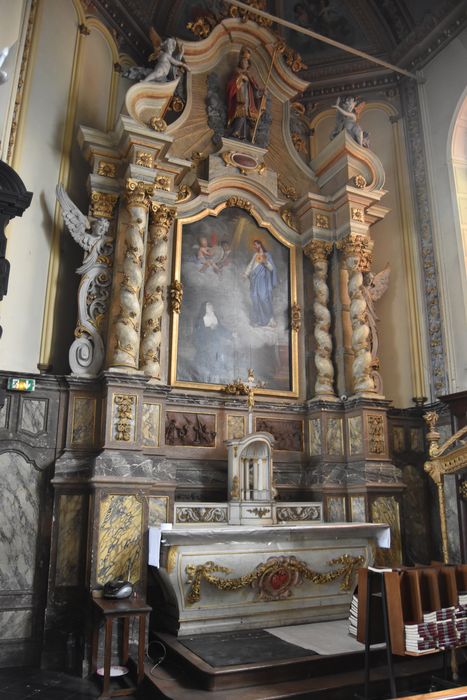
x,y
151,426
158,510
445,433
355,425
83,421
15,624
33,416
5,413
314,427
235,427
335,437
452,519
336,509
19,519
398,438
416,439
126,463
357,509
385,509
70,520
120,537
418,546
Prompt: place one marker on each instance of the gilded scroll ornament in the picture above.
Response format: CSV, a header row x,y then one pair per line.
x,y
256,166
160,220
107,169
376,439
357,215
360,182
183,193
296,317
138,193
145,159
287,190
161,182
103,204
273,579
235,490
176,296
158,124
125,408
289,218
239,202
322,221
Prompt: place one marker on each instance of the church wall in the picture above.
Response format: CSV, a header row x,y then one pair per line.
x,y
394,240
71,81
440,101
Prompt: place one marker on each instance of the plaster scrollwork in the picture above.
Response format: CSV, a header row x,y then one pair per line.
x,y
86,354
318,252
161,218
433,309
126,327
357,251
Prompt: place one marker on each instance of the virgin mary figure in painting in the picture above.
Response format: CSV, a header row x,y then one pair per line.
x,y
262,273
242,99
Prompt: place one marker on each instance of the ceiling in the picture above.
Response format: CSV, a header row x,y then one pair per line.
x,y
407,33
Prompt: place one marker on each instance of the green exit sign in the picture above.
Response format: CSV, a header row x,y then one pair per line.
x,y
21,384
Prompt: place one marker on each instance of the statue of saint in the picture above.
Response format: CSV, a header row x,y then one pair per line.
x,y
243,99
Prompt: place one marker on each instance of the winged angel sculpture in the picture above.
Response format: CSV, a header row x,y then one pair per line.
x,y
348,113
167,55
86,353
374,286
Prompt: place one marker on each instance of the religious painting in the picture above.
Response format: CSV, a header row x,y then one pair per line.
x,y
288,434
238,288
190,429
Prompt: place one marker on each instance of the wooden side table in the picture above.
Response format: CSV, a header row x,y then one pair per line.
x,y
109,610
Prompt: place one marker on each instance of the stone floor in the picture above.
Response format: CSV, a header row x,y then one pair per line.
x,y
21,683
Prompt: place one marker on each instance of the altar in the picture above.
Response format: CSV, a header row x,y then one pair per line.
x,y
226,578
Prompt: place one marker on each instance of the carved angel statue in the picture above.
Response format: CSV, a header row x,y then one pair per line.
x,y
86,353
348,112
167,54
3,74
374,286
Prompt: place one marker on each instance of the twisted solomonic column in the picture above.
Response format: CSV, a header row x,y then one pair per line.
x,y
125,332
318,252
160,221
357,255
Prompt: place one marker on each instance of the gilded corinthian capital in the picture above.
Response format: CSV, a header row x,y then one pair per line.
x,y
359,247
138,193
318,251
161,215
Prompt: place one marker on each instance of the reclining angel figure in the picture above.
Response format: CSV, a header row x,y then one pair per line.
x,y
348,112
168,55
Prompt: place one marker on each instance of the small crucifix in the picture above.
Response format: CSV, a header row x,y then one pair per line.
x,y
240,388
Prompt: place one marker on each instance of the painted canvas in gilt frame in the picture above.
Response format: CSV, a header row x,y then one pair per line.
x,y
239,283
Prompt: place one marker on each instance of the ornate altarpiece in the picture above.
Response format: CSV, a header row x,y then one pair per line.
x,y
143,429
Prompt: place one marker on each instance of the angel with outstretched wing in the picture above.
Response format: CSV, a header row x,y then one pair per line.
x,y
374,286
86,234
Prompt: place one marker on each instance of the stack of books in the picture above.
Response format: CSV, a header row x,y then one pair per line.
x,y
462,597
420,638
353,617
441,629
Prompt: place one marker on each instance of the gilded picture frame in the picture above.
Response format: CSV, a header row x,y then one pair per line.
x,y
238,275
